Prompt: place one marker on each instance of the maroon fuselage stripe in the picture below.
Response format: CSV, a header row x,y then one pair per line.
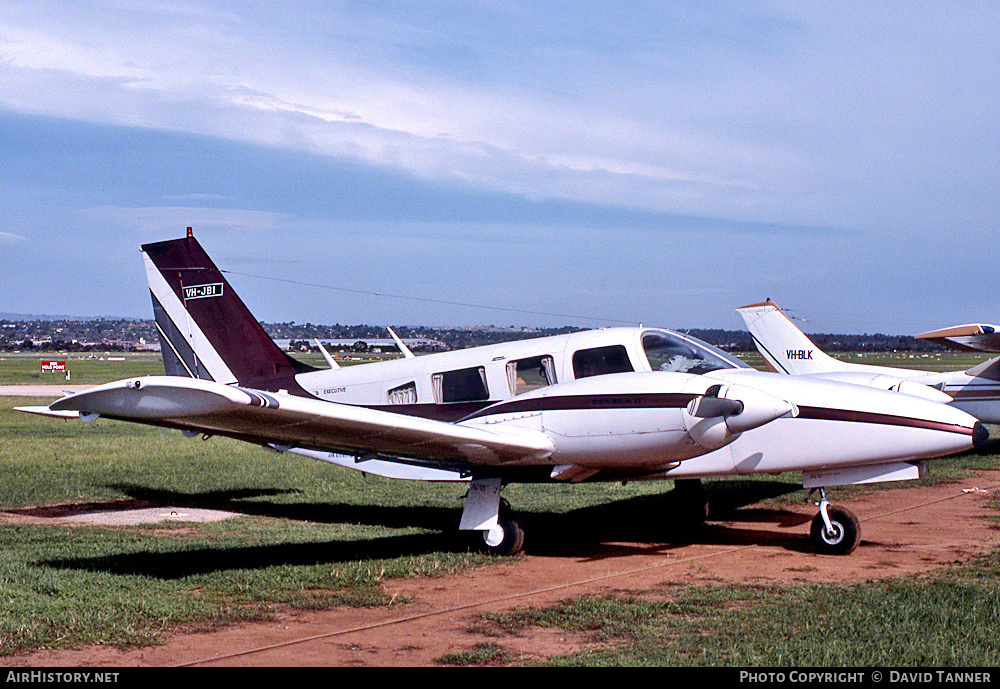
x,y
680,400
988,394
825,414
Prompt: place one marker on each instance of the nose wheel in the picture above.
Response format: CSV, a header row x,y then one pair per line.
x,y
835,530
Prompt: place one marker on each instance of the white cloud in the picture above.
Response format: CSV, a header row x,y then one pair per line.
x,y
337,94
8,238
154,221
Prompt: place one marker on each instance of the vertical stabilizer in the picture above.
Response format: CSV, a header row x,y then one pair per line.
x,y
206,331
784,347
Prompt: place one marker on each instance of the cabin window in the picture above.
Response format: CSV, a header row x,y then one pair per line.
x,y
525,375
464,385
668,351
601,361
404,394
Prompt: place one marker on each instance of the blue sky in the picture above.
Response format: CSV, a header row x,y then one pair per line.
x,y
580,163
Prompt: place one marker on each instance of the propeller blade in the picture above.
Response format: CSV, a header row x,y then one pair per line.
x,y
706,407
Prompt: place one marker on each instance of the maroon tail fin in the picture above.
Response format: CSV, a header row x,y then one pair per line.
x,y
206,330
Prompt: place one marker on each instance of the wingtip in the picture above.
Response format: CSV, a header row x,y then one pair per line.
x,y
45,411
954,331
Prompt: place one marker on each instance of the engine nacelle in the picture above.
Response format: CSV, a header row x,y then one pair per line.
x,y
895,384
724,411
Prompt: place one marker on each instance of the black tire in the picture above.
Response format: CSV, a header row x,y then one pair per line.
x,y
508,540
846,532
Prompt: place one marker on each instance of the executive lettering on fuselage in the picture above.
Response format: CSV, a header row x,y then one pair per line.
x,y
798,353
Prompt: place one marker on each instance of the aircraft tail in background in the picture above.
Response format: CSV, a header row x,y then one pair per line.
x,y
784,347
206,331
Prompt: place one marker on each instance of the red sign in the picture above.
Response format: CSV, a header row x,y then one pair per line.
x,y
53,366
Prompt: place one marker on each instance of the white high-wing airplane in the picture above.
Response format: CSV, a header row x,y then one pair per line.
x,y
786,349
601,405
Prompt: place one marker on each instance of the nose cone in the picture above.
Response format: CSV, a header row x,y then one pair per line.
x,y
843,424
758,408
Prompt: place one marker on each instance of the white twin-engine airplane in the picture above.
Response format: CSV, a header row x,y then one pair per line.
x,y
786,349
602,405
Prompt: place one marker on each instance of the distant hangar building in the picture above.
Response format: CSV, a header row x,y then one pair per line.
x,y
422,344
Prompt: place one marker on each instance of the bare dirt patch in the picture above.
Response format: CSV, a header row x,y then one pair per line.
x,y
110,513
905,531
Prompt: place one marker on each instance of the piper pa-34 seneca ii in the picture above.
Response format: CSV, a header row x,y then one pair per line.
x,y
600,405
786,349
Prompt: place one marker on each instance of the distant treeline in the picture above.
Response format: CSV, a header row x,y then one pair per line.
x,y
125,335
72,335
740,341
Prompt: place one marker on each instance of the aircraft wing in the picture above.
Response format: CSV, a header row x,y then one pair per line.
x,y
971,337
284,421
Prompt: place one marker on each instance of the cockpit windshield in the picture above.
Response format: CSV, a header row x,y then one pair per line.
x,y
667,351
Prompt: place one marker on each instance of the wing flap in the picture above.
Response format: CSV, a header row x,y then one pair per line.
x,y
273,418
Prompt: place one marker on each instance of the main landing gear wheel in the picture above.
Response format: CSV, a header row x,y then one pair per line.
x,y
690,501
835,530
506,538
489,518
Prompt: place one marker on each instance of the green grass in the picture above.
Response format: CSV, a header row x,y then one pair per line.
x,y
487,653
944,620
101,367
943,361
84,368
311,535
